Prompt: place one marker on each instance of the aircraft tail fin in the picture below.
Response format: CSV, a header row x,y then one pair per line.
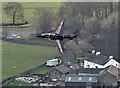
x,y
75,37
76,32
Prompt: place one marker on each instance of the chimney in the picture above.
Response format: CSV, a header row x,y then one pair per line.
x,y
110,57
97,53
93,51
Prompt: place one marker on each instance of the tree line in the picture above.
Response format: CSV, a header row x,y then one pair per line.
x,y
98,24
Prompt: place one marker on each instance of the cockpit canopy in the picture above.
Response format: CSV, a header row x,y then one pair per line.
x,y
47,34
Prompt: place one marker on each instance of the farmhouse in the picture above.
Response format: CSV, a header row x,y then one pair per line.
x,y
96,60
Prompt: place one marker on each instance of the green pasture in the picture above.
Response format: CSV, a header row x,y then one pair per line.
x,y
23,57
29,9
42,70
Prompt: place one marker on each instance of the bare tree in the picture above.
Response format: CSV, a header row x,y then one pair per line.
x,y
82,49
14,10
42,20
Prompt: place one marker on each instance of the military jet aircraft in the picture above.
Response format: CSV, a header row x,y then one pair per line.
x,y
58,36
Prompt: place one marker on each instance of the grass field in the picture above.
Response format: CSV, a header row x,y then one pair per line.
x,y
29,9
23,57
42,70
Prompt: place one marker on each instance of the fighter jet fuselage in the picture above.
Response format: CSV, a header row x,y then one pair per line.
x,y
59,36
56,36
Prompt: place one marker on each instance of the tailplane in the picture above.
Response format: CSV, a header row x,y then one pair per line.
x,y
76,32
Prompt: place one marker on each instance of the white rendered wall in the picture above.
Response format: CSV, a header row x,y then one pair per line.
x,y
112,62
91,64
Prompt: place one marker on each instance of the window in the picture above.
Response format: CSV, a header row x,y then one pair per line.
x,y
96,66
80,78
90,78
69,78
88,66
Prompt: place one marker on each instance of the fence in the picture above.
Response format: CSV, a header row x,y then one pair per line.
x,y
14,25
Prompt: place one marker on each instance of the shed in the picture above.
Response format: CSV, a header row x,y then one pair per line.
x,y
59,72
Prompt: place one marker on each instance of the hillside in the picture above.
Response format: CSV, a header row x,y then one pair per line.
x,y
23,57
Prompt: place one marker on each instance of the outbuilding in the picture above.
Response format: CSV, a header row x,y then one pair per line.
x,y
83,80
109,76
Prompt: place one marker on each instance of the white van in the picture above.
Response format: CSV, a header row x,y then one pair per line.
x,y
53,62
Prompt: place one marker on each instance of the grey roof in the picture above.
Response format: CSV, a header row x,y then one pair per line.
x,y
99,59
63,69
81,78
112,70
87,70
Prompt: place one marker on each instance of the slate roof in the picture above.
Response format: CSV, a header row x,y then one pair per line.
x,y
99,59
81,78
87,70
112,70
63,69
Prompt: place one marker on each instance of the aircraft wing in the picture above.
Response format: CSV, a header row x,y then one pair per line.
x,y
60,46
59,29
